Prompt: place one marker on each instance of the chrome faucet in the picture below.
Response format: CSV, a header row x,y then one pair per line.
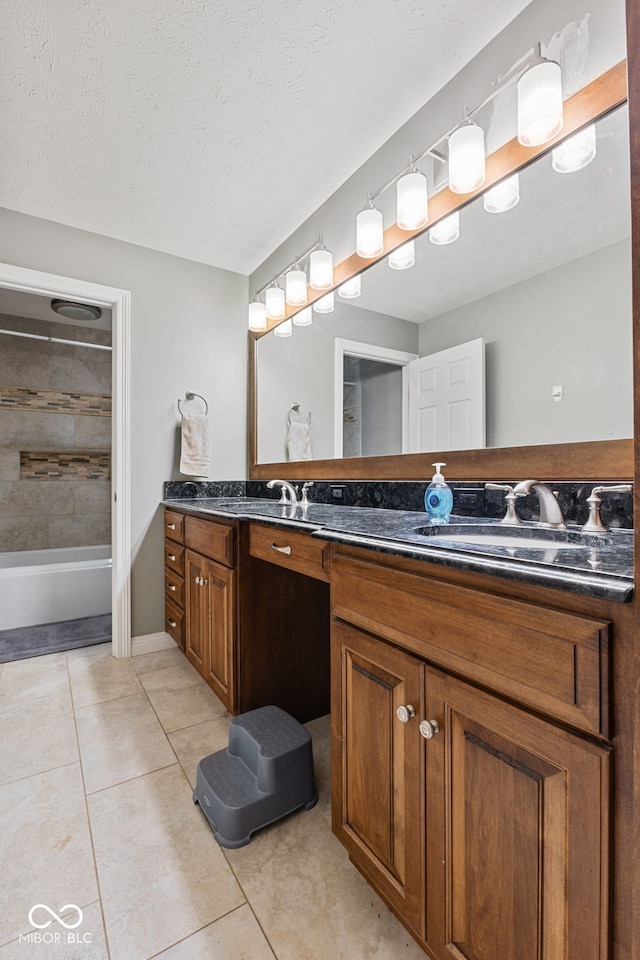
x,y
550,512
304,499
285,488
594,524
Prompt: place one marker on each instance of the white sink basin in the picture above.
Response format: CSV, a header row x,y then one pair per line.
x,y
513,538
512,543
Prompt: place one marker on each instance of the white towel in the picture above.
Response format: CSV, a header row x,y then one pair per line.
x,y
298,441
195,454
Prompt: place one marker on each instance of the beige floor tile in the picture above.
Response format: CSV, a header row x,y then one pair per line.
x,y
97,650
234,937
320,731
34,678
151,662
96,679
120,739
36,735
46,847
310,900
162,875
85,942
180,697
193,743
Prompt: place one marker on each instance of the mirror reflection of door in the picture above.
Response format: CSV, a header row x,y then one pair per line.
x,y
447,399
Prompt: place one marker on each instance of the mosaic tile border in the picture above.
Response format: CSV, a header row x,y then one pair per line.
x,y
55,401
65,466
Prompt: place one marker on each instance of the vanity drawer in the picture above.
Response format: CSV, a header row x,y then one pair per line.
x,y
549,660
174,587
174,622
174,525
211,539
174,557
288,548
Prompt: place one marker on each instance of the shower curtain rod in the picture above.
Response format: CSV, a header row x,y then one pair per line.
x,y
73,343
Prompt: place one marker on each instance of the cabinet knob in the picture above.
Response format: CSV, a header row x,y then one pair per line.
x,y
286,550
405,713
429,728
171,587
171,556
172,623
171,526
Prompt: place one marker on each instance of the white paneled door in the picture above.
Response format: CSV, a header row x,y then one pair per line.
x,y
447,399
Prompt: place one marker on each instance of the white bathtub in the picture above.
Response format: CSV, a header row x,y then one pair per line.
x,y
44,586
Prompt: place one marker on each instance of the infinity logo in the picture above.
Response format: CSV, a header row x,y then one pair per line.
x,y
54,916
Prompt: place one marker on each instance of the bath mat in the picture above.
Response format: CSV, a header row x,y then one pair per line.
x,y
36,641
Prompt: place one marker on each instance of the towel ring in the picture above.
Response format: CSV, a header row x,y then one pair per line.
x,y
190,395
296,407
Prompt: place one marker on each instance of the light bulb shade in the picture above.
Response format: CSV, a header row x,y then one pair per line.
x,y
412,202
321,270
257,316
575,152
466,158
274,302
369,233
283,329
447,230
503,196
540,103
324,304
403,257
304,318
352,288
295,283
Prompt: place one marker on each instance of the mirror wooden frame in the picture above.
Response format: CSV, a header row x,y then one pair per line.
x,y
592,460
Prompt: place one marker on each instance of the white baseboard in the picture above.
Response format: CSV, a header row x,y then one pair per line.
x,y
151,643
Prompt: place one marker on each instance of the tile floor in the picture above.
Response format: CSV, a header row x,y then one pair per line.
x,y
97,763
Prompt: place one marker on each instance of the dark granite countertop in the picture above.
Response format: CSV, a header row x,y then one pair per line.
x,y
603,568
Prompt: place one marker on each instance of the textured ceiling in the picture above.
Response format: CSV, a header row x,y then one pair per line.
x,y
210,129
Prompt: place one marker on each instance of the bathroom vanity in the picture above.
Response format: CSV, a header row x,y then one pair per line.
x,y
472,728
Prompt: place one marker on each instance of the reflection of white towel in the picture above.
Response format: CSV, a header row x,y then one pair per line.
x,y
195,455
299,441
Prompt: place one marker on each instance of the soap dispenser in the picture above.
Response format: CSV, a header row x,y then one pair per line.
x,y
438,498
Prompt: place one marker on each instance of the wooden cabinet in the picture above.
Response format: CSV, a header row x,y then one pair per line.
x,y
210,622
483,824
174,576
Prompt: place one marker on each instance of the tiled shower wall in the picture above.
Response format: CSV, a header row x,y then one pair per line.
x,y
55,437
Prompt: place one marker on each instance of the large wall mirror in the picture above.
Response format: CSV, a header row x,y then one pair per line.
x,y
516,335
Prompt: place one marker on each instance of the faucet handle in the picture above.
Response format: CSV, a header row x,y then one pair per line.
x,y
511,518
304,500
594,522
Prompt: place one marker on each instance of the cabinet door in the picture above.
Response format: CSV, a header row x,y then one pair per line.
x,y
516,833
195,610
218,589
377,767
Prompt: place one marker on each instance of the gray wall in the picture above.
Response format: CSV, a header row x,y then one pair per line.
x,y
301,368
564,327
188,332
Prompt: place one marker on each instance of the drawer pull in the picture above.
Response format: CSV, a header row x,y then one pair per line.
x,y
171,526
172,587
286,550
404,714
171,556
171,623
429,728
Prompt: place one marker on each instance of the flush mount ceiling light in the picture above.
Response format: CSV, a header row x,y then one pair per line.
x,y
351,289
296,287
403,257
321,269
412,204
575,152
540,115
283,329
274,301
303,319
466,158
257,316
447,230
369,233
76,311
324,304
503,196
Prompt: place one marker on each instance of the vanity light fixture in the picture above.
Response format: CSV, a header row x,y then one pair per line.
x,y
540,115
503,196
575,152
403,257
257,316
274,302
283,329
295,281
446,230
303,318
324,304
466,158
369,232
351,289
321,269
412,204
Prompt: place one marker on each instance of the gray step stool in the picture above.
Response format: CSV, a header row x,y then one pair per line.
x,y
265,773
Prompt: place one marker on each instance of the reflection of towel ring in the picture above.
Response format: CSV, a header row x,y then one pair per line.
x,y
190,395
296,407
